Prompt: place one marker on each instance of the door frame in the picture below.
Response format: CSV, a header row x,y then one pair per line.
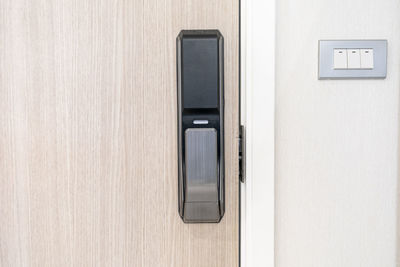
x,y
257,114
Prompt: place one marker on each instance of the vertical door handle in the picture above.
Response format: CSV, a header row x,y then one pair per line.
x,y
200,76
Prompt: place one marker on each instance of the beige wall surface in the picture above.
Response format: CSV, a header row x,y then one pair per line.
x,y
336,140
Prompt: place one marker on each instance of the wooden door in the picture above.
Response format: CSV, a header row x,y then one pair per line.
x,y
88,134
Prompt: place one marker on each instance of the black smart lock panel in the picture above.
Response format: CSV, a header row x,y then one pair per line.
x,y
200,125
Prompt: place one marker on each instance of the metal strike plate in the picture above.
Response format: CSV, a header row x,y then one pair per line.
x,y
200,126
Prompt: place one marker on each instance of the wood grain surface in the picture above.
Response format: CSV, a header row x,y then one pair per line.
x,y
88,134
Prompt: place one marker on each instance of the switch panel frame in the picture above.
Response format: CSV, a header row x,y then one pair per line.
x,y
326,68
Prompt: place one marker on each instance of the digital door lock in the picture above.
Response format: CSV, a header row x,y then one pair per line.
x,y
200,77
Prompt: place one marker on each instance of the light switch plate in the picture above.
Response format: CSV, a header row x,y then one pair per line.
x,y
377,68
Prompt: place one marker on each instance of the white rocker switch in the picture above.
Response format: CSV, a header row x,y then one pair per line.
x,y
340,58
367,58
353,59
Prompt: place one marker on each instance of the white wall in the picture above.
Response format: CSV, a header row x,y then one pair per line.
x,y
336,140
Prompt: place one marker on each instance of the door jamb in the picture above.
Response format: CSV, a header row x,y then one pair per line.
x,y
257,114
